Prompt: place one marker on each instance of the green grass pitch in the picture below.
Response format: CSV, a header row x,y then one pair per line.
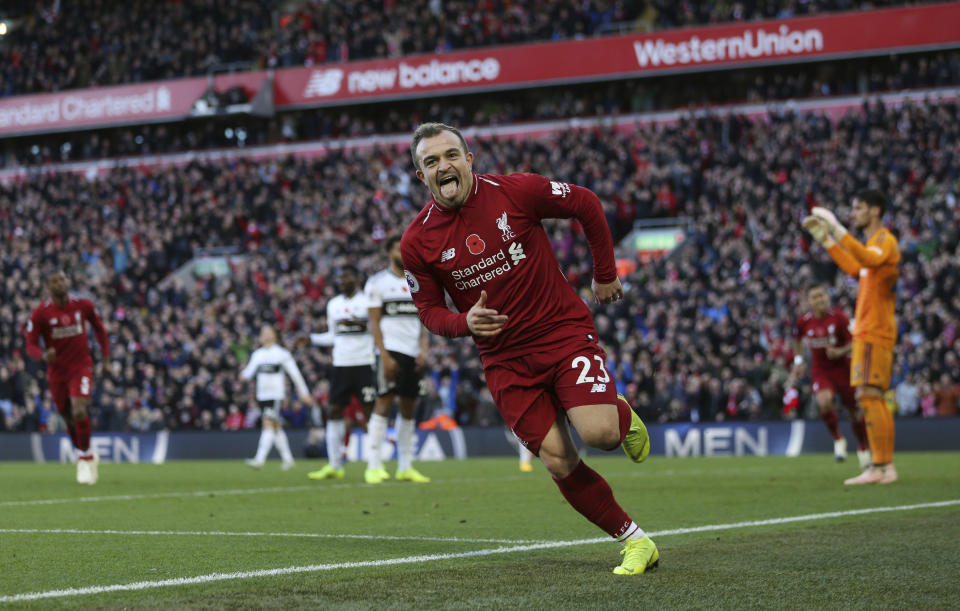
x,y
733,533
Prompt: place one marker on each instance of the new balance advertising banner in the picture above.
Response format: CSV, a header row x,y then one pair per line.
x,y
935,26
110,447
710,48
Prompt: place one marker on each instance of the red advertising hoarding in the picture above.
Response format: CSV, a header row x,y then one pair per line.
x,y
84,108
709,48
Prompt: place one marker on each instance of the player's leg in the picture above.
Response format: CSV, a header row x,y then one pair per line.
x,y
80,390
871,366
339,396
602,418
282,444
526,457
406,435
857,423
825,404
268,419
408,387
591,495
376,434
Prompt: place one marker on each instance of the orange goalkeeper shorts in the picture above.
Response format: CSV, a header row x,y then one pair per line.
x,y
870,365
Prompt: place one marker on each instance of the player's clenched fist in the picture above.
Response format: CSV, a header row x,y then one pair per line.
x,y
483,321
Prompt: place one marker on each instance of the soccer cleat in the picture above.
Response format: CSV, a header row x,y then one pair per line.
x,y
639,555
328,472
889,474
287,465
864,458
637,442
95,462
412,475
526,467
871,475
840,449
383,474
253,463
372,476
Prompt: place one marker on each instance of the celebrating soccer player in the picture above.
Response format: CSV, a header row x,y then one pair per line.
x,y
827,334
874,330
60,322
481,241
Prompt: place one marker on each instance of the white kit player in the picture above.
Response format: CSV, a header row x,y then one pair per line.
x,y
401,343
271,363
348,322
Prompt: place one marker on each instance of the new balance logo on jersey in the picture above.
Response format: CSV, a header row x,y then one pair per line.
x,y
448,254
598,388
559,188
516,252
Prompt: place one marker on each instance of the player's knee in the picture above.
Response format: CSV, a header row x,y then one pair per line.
x,y
603,439
559,465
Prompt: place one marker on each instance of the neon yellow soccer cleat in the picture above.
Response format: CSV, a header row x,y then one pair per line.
x,y
412,475
637,442
639,555
327,472
375,476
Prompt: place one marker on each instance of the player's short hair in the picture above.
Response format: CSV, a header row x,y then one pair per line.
x,y
350,268
816,284
873,199
389,242
429,130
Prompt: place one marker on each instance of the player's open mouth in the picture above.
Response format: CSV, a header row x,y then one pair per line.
x,y
449,186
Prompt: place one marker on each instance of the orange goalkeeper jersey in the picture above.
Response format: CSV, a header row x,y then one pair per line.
x,y
877,267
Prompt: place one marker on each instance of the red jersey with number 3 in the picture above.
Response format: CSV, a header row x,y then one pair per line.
x,y
495,242
64,329
833,330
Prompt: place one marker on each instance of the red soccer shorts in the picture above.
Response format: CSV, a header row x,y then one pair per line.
x,y
836,380
530,390
78,383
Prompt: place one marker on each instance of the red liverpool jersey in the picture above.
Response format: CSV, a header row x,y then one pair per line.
x,y
833,329
495,242
63,328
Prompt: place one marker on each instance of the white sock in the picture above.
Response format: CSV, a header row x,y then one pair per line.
x,y
266,442
283,446
405,430
633,532
525,455
336,429
376,433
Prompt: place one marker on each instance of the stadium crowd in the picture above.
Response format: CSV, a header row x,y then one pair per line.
x,y
703,334
759,85
85,43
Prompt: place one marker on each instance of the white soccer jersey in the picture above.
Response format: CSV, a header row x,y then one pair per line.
x,y
399,321
269,365
349,320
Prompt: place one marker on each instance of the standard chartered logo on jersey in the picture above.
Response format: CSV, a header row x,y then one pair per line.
x,y
488,268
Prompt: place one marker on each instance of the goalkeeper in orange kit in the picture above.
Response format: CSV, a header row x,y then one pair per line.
x,y
874,327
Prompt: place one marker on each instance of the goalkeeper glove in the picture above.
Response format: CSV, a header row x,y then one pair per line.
x,y
835,227
816,228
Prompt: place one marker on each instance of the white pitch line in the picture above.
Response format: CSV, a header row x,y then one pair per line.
x,y
182,581
221,533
